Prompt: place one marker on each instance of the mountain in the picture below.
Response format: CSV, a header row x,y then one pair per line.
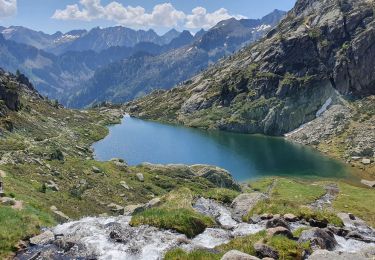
x,y
99,39
55,75
321,53
39,40
188,55
170,35
231,33
96,39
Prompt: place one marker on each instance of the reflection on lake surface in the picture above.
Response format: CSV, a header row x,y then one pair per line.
x,y
245,156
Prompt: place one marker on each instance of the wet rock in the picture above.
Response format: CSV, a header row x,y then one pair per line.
x,y
357,236
318,223
237,255
319,238
342,232
277,222
264,250
116,236
243,203
140,177
290,218
279,231
368,183
213,209
42,239
356,224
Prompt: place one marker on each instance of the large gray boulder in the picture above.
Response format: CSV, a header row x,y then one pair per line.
x,y
245,202
264,250
218,176
319,239
237,255
219,212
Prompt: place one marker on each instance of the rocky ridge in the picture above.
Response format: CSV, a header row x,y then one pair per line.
x,y
320,51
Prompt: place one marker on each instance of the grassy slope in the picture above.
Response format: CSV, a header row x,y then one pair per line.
x,y
41,129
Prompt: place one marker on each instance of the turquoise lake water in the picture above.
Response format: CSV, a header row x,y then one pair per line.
x,y
245,156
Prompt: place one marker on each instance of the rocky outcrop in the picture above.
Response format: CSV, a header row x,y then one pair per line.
x,y
320,50
9,91
217,176
243,204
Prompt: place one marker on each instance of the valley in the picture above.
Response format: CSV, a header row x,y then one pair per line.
x,y
254,139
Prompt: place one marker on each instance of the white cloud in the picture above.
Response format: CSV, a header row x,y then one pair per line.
x,y
8,8
162,15
200,18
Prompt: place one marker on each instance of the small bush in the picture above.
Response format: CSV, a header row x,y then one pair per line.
x,y
57,155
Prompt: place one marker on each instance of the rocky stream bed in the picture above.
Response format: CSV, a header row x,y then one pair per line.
x,y
114,238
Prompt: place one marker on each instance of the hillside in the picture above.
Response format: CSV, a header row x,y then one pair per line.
x,y
321,50
49,174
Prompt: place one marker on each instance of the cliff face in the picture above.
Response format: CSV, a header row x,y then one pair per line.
x,y
321,50
9,97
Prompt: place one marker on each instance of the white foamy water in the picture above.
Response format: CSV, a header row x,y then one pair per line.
x,y
210,238
138,242
351,245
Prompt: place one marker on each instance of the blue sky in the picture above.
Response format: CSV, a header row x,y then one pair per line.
x,y
64,15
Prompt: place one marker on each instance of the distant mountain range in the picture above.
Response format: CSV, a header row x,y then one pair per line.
x,y
96,39
117,64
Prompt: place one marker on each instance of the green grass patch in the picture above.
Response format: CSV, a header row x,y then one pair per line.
x,y
261,185
175,213
184,221
221,195
16,225
243,244
356,200
287,248
289,196
179,254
